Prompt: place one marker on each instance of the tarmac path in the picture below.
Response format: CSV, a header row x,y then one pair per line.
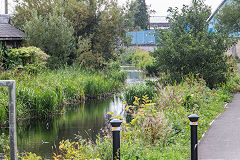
x,y
222,140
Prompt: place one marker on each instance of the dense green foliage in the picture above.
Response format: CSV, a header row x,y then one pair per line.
x,y
160,130
138,57
85,32
141,17
31,59
188,48
228,18
53,34
128,13
45,93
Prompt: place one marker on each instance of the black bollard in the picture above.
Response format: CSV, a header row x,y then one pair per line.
x,y
194,143
116,138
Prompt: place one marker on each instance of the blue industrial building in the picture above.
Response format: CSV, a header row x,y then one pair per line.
x,y
142,37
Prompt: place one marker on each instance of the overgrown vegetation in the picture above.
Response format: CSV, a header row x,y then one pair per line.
x,y
30,59
45,93
138,90
138,57
159,129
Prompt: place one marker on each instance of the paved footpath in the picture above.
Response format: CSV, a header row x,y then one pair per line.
x,y
222,140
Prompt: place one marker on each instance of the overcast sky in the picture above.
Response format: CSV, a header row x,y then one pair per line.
x,y
160,6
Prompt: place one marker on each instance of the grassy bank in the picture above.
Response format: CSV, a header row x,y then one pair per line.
x,y
45,93
160,130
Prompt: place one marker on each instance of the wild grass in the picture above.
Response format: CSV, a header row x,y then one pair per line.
x,y
160,130
45,93
138,90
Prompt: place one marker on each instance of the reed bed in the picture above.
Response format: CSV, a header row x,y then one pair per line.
x,y
45,93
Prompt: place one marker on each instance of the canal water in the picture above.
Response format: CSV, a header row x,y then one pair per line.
x,y
43,136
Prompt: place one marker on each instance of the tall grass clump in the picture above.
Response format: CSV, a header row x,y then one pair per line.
x,y
45,93
138,90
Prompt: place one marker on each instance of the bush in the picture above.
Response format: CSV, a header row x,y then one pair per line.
x,y
27,58
4,143
152,69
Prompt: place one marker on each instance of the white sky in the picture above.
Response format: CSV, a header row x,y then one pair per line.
x,y
160,6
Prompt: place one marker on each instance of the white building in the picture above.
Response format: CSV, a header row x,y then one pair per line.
x,y
159,22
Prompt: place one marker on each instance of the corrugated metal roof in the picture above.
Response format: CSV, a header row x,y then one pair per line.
x,y
142,37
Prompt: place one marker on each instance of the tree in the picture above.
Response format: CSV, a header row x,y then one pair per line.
x,y
188,47
129,10
228,18
97,22
53,34
141,16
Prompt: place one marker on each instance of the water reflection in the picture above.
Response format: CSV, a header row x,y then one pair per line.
x,y
43,136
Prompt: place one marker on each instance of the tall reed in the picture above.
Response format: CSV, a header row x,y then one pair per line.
x,y
45,93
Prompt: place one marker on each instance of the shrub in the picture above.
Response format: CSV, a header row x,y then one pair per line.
x,y
4,143
28,58
149,124
30,156
152,69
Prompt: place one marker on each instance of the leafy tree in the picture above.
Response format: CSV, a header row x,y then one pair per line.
x,y
141,16
52,34
228,18
129,10
188,47
97,22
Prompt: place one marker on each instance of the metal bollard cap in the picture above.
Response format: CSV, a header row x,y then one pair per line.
x,y
116,122
193,117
